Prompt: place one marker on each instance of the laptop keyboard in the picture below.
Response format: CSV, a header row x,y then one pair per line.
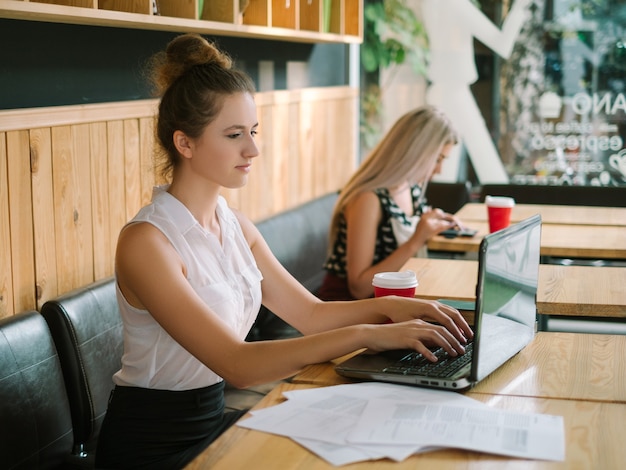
x,y
416,364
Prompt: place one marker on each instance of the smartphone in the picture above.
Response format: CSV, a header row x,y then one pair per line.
x,y
455,232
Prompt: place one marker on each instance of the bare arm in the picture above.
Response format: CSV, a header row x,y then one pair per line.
x,y
362,217
151,276
286,297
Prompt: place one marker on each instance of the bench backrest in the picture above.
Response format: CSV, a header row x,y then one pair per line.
x,y
449,197
35,423
299,239
87,330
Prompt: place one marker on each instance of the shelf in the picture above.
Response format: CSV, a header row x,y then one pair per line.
x,y
283,20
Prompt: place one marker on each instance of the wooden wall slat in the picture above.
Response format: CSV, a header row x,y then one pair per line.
x,y
325,152
32,118
102,256
117,191
21,220
149,177
257,196
344,113
132,167
43,214
280,156
72,205
306,161
71,177
83,215
293,189
6,258
63,207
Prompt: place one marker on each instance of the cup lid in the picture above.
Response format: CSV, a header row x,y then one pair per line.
x,y
499,201
395,280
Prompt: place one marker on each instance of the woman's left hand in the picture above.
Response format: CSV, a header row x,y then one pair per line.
x,y
404,309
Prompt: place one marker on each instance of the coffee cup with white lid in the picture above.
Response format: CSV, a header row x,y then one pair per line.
x,y
402,283
499,210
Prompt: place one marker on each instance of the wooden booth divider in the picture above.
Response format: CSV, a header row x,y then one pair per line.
x,y
71,176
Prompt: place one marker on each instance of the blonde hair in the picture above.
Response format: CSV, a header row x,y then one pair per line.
x,y
409,151
192,77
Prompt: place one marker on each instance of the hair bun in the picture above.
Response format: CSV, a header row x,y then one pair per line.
x,y
183,53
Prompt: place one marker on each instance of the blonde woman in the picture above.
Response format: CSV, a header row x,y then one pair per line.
x,y
380,219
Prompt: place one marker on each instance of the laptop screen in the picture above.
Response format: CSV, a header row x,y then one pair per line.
x,y
506,294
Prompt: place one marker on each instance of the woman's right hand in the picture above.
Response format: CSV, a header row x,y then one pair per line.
x,y
417,335
433,222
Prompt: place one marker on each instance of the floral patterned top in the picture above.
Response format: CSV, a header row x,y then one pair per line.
x,y
387,236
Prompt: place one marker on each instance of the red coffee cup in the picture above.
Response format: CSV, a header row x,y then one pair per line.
x,y
402,283
499,210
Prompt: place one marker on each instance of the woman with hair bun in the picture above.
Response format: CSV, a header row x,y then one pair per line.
x,y
192,273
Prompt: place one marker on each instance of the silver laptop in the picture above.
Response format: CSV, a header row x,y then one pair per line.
x,y
504,320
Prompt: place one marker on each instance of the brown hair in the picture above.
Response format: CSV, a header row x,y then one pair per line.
x,y
192,77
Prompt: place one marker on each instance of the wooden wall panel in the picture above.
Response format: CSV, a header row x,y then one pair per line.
x,y
117,190
258,195
21,220
132,167
43,214
149,177
65,235
6,280
71,177
343,112
294,190
81,198
322,122
306,154
101,226
281,128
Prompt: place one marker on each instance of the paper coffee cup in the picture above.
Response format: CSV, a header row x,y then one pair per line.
x,y
499,210
402,283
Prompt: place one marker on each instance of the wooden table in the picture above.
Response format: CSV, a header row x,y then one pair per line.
x,y
572,366
590,291
559,240
551,214
592,432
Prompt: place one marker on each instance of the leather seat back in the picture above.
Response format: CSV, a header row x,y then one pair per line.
x,y
87,329
298,238
35,423
449,197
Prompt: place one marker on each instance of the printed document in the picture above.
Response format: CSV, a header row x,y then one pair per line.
x,y
368,421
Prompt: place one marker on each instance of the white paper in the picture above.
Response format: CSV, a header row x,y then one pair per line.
x,y
528,435
368,421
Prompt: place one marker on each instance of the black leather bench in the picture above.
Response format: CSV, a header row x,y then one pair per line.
x,y
299,239
449,197
35,422
87,331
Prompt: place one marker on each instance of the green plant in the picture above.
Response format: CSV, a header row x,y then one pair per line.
x,y
393,35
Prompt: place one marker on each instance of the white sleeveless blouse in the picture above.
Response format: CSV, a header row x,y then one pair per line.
x,y
224,275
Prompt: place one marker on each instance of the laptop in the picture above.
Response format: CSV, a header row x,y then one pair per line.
x,y
504,320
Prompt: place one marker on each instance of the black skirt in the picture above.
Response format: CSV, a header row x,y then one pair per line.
x,y
160,429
